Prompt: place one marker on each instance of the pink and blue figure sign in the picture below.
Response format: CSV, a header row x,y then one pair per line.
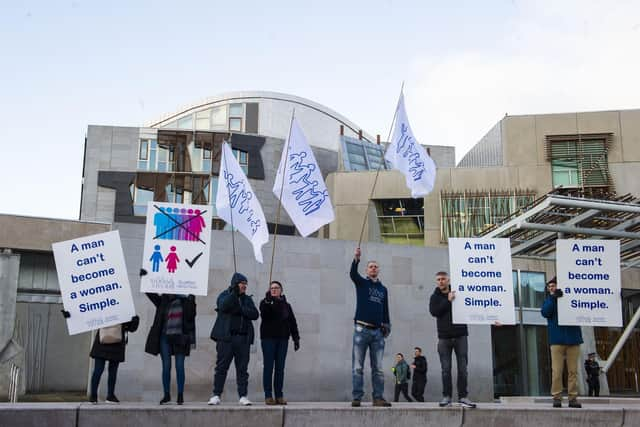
x,y
177,247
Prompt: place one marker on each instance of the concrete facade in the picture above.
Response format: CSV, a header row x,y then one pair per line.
x,y
314,273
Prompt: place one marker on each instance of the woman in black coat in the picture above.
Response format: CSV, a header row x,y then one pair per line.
x,y
114,353
278,324
173,333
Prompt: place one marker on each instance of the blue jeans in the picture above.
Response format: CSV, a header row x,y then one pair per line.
x,y
98,369
373,340
274,352
165,355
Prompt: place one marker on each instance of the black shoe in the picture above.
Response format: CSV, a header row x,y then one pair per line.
x,y
557,403
112,399
165,399
574,404
180,400
355,403
93,400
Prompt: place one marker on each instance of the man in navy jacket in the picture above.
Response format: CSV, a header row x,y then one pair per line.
x,y
371,327
565,344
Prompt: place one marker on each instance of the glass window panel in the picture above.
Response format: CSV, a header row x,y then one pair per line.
x,y
219,116
386,225
236,110
235,124
214,193
171,125
186,122
516,296
152,159
206,153
533,286
244,157
162,166
163,154
142,165
154,144
142,197
144,148
407,225
206,165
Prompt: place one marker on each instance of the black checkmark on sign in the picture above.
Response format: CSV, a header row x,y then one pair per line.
x,y
190,263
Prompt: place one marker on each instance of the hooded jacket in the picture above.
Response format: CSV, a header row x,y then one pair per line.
x,y
235,313
563,335
278,320
440,308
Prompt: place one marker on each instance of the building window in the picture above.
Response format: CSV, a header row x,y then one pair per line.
x,y
186,122
219,118
580,162
467,214
532,286
171,188
401,221
203,120
243,160
236,116
358,155
155,157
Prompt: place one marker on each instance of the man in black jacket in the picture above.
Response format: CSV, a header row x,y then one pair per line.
x,y
451,337
233,334
419,367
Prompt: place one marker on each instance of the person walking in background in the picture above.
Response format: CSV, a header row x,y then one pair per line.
x,y
233,334
593,375
402,373
173,333
278,324
419,367
565,346
451,337
371,327
108,346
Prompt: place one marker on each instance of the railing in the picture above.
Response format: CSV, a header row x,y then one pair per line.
x,y
14,382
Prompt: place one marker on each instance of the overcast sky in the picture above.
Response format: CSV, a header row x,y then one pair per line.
x,y
68,64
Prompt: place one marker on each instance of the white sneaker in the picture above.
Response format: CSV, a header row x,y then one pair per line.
x,y
244,401
215,400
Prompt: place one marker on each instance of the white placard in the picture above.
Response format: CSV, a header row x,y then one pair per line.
x,y
176,249
482,279
589,276
93,282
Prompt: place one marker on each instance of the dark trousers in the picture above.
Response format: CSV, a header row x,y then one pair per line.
x,y
274,353
404,388
417,388
165,355
238,351
445,347
98,369
594,387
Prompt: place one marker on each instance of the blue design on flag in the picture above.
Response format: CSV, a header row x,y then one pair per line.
x,y
299,184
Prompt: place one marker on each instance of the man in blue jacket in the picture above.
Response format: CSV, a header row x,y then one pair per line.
x,y
371,327
233,334
565,344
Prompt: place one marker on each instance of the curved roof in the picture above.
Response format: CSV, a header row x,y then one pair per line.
x,y
257,95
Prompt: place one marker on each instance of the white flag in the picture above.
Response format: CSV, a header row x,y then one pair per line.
x,y
409,157
237,204
305,195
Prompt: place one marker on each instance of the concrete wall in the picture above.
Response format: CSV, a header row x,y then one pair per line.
x,y
314,273
37,234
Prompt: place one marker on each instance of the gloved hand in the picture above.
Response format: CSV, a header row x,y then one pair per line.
x,y
558,293
135,318
296,345
143,272
65,313
235,289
